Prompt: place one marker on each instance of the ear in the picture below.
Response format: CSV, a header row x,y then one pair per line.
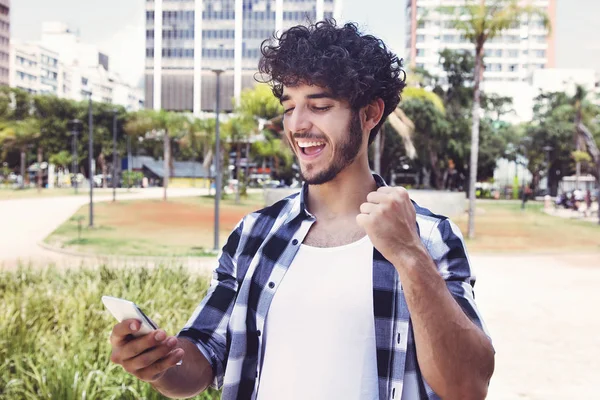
x,y
373,112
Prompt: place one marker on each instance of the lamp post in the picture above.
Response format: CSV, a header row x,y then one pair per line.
x,y
218,73
75,123
548,149
91,157
114,171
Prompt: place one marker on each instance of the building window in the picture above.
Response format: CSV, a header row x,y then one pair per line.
x,y
539,53
420,52
513,53
420,38
513,68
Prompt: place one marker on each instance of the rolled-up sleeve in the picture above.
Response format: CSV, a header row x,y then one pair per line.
x,y
447,248
207,327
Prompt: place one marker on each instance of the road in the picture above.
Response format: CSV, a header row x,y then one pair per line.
x,y
541,310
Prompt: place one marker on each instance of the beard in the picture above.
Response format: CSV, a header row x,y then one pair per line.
x,y
345,155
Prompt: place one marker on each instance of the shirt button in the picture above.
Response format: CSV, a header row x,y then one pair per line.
x,y
271,285
295,242
257,333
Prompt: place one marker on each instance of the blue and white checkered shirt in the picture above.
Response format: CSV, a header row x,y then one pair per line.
x,y
226,327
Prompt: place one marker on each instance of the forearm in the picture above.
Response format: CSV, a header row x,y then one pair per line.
x,y
455,356
186,380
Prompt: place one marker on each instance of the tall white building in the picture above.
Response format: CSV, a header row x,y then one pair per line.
x,y
35,69
61,65
512,57
187,39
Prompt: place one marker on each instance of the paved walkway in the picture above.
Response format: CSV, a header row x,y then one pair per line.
x,y
572,214
26,222
542,312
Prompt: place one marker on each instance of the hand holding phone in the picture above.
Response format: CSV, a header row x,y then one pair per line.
x,y
137,344
123,309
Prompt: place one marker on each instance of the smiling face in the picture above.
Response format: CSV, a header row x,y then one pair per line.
x,y
324,133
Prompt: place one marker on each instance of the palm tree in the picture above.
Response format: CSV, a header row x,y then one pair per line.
x,y
480,23
403,125
158,124
20,135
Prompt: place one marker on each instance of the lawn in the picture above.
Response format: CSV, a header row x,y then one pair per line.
x,y
184,227
504,227
54,329
179,227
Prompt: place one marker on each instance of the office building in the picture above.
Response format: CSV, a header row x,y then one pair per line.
x,y
4,41
512,57
190,38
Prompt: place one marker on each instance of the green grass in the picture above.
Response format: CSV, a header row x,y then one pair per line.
x,y
182,227
54,329
504,227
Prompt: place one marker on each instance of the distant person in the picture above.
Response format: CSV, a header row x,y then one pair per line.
x,y
588,202
346,290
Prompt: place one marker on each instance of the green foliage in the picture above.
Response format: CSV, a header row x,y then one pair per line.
x,y
259,102
62,158
20,133
54,329
133,178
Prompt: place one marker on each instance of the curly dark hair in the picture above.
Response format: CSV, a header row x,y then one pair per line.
x,y
354,67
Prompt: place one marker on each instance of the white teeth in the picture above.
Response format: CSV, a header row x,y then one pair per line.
x,y
310,144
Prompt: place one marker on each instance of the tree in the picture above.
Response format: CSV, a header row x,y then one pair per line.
x,y
20,135
237,130
159,124
480,23
431,131
559,117
260,105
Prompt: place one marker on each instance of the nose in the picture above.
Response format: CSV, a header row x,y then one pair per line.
x,y
297,121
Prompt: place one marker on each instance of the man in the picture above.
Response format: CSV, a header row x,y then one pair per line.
x,y
347,290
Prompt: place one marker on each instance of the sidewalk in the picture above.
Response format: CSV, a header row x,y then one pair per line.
x,y
572,214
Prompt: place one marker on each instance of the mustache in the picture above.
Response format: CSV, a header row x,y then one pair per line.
x,y
307,136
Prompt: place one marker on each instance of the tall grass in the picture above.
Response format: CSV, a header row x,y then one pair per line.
x,y
54,329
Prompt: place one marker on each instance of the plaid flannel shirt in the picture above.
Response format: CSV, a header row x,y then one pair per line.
x,y
226,326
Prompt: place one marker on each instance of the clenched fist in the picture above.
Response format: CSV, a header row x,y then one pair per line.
x,y
389,218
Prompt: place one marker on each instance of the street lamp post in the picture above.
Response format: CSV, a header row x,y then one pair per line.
x,y
548,149
129,161
75,123
91,157
114,171
218,73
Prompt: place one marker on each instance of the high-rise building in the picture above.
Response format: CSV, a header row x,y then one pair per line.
x,y
191,38
511,57
4,41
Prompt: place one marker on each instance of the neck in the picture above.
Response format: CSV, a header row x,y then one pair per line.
x,y
342,196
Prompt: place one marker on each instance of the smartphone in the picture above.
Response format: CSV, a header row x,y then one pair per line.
x,y
123,309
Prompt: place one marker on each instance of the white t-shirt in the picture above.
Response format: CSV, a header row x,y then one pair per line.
x,y
319,341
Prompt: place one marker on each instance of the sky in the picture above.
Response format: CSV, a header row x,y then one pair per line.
x,y
118,28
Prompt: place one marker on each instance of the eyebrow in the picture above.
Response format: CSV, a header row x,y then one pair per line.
x,y
321,95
